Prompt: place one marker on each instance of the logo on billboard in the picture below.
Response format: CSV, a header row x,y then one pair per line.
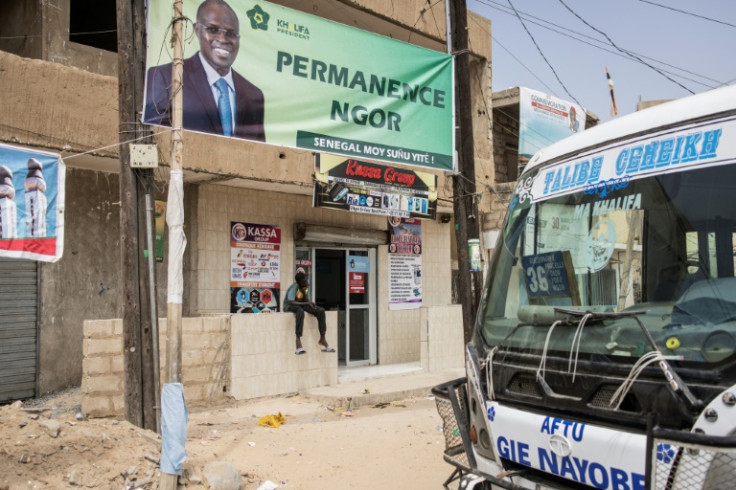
x,y
258,18
292,29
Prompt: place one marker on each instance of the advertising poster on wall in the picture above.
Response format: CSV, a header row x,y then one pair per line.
x,y
31,204
405,264
545,119
255,267
360,187
263,72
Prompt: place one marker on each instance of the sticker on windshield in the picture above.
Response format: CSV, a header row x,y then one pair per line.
x,y
600,244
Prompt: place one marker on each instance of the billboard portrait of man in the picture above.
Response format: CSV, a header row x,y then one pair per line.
x,y
216,99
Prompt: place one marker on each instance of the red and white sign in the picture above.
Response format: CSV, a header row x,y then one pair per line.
x,y
357,283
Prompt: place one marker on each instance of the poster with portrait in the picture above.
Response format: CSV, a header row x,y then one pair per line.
x,y
255,267
267,73
405,264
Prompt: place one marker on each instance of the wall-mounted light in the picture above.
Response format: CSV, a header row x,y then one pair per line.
x,y
445,218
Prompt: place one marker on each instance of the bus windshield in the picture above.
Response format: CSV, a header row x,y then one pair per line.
x,y
660,246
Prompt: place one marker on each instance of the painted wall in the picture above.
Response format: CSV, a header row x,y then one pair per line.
x,y
85,282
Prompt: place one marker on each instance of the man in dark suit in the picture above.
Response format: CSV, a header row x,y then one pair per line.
x,y
216,99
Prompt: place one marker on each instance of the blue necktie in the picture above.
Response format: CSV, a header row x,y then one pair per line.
x,y
223,107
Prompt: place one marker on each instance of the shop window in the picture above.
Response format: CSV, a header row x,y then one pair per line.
x,y
94,23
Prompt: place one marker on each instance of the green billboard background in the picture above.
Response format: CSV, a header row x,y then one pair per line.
x,y
332,88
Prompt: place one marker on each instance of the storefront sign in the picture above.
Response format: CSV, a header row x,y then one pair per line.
x,y
405,264
31,204
255,267
360,187
303,81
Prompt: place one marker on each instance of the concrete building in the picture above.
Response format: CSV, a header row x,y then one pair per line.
x,y
60,94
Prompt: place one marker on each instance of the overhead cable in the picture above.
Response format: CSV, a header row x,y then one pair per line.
x,y
687,13
542,54
623,50
568,32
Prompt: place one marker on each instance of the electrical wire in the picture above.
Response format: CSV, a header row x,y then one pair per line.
x,y
543,56
86,33
421,14
488,111
431,11
551,91
568,32
687,13
623,50
114,145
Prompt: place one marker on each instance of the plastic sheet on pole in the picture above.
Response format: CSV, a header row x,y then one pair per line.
x,y
177,240
174,417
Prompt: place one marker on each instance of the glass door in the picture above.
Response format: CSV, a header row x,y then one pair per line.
x,y
360,325
344,280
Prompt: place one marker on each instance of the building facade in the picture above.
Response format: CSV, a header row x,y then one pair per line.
x,y
61,94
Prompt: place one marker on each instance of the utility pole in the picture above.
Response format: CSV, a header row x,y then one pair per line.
x,y
463,184
175,222
175,209
139,391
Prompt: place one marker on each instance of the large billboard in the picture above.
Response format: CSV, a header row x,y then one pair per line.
x,y
31,204
545,119
259,71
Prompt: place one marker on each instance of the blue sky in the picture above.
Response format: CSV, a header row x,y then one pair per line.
x,y
695,52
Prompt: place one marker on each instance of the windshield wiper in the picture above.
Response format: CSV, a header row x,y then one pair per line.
x,y
674,382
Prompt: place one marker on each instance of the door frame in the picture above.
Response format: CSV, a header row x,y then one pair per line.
x,y
371,306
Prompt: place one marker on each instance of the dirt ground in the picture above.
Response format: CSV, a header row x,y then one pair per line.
x,y
397,445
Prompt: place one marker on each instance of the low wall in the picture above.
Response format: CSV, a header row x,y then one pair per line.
x,y
102,368
263,360
248,356
205,370
239,356
441,338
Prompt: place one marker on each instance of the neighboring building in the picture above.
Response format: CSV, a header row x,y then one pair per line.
x,y
508,163
646,104
60,94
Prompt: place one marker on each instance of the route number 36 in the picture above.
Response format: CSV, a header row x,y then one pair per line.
x,y
537,279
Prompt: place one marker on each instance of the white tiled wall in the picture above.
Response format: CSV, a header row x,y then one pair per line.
x,y
398,331
263,359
